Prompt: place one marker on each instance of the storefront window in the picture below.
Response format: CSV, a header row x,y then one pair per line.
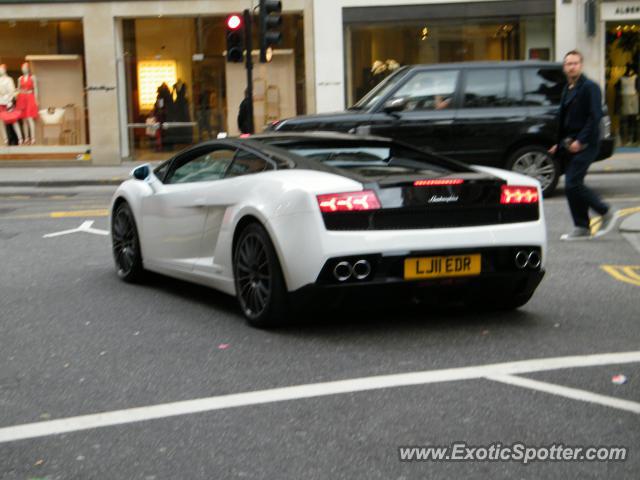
x,y
622,81
181,90
42,85
376,51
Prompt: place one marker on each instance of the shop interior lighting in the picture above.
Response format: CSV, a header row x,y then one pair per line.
x,y
152,74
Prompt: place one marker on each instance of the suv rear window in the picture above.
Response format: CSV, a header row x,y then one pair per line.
x,y
543,86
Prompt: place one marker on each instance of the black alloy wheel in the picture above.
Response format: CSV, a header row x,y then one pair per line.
x,y
126,245
260,285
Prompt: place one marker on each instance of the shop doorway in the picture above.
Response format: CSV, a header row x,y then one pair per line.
x,y
623,80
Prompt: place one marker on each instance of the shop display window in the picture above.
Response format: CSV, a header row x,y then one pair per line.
x,y
374,51
180,89
42,84
623,81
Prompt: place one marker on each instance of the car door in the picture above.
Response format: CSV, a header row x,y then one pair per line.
x,y
174,216
491,117
427,119
235,187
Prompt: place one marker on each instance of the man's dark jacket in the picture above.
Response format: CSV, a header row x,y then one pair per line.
x,y
581,112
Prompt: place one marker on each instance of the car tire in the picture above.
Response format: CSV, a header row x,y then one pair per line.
x,y
125,244
260,286
535,161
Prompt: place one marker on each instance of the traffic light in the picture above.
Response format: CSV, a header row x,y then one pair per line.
x,y
270,24
235,38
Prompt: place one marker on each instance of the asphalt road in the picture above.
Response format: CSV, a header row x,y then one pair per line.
x,y
75,341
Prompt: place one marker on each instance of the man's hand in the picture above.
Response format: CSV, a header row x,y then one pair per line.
x,y
553,150
575,147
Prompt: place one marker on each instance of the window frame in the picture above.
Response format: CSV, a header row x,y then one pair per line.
x,y
463,90
199,150
524,85
379,107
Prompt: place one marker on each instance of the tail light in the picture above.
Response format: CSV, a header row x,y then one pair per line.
x,y
512,194
438,182
348,202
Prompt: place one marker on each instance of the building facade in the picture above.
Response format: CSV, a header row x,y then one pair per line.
x,y
612,55
105,75
141,79
363,40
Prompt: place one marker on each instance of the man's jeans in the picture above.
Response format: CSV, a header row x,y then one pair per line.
x,y
579,196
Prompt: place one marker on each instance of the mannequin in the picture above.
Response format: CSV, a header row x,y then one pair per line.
x,y
27,95
627,90
7,96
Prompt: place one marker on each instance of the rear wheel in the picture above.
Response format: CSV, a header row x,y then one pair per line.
x,y
126,244
534,161
260,285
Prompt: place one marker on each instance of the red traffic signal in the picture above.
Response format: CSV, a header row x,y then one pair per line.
x,y
234,22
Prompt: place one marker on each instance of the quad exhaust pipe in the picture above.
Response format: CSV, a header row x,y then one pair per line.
x,y
528,259
360,270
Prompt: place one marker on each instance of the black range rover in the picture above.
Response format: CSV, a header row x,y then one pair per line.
x,y
499,114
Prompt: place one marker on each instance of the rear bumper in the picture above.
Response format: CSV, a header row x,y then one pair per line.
x,y
500,278
487,287
607,147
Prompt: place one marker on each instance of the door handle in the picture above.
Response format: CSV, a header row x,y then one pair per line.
x,y
199,203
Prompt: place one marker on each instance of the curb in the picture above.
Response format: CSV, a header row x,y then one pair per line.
x,y
618,171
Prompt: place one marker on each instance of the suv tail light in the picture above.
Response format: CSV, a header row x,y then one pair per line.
x,y
348,202
512,194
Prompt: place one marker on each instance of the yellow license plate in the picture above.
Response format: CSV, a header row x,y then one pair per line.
x,y
439,267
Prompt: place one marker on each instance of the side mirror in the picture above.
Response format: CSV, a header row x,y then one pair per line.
x,y
395,105
142,172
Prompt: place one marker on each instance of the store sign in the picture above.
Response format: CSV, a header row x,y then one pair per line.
x,y
620,11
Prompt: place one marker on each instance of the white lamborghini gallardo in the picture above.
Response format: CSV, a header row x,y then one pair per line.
x,y
284,220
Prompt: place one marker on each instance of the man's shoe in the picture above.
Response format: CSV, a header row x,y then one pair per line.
x,y
609,221
578,233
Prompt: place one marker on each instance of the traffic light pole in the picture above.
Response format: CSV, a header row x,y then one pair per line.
x,y
248,42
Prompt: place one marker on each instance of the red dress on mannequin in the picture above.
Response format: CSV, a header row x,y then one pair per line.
x,y
26,101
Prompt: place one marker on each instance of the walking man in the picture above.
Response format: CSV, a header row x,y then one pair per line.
x,y
579,143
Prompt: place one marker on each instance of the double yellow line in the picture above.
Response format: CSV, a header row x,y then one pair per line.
x,y
624,273
99,212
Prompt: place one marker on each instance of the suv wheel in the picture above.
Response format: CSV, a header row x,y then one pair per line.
x,y
534,161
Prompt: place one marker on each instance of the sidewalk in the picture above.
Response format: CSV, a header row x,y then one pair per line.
x,y
71,176
65,176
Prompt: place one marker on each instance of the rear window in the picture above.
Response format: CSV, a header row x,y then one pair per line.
x,y
369,158
543,86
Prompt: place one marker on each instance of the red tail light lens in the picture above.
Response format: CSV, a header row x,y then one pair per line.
x,y
438,182
512,194
348,202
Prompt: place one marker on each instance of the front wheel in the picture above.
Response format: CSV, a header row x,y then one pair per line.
x,y
126,244
260,285
534,161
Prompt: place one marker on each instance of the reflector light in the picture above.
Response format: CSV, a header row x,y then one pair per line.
x,y
438,182
518,194
234,22
348,202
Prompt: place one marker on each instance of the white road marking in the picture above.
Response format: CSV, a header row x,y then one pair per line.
x,y
86,227
573,393
139,414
